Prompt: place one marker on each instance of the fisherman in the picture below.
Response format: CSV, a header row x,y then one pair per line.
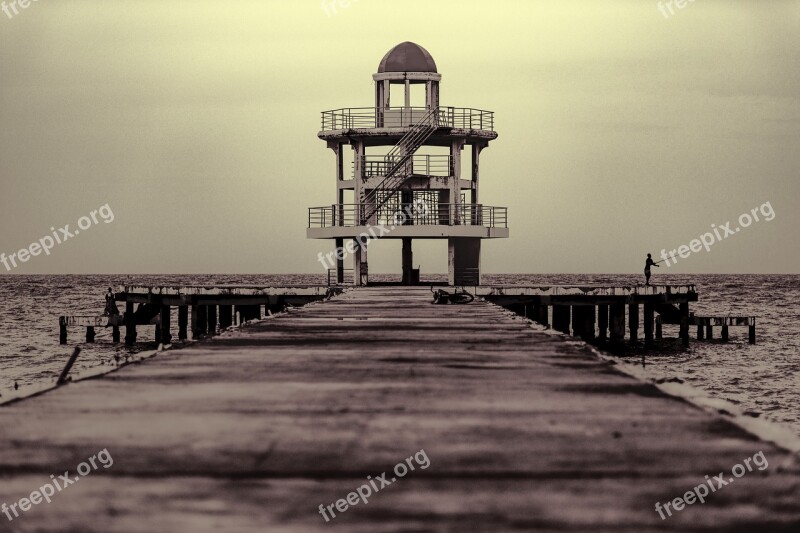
x,y
111,304
647,266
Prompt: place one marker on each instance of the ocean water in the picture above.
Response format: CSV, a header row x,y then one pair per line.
x,y
763,379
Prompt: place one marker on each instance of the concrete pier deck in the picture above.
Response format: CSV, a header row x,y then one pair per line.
x,y
254,430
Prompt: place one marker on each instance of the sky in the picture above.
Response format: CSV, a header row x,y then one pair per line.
x,y
623,129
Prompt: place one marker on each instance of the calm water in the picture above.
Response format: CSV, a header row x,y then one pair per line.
x,y
764,378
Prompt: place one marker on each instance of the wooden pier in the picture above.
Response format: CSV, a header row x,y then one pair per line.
x,y
255,429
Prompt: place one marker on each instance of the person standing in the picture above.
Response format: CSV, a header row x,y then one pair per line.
x,y
111,304
647,266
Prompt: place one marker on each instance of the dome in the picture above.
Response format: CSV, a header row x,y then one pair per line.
x,y
407,57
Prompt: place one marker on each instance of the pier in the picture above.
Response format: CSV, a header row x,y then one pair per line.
x,y
253,430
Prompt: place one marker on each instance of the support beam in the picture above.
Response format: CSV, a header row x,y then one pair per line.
x,y
617,324
684,321
211,315
183,322
62,330
561,318
130,325
633,323
225,316
649,323
166,335
602,321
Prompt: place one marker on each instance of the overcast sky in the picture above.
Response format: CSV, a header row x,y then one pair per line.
x,y
622,131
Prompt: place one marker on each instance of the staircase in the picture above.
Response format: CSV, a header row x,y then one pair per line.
x,y
397,164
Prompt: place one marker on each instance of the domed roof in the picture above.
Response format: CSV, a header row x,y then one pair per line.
x,y
407,57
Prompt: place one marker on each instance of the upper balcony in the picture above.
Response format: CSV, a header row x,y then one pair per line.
x,y
394,120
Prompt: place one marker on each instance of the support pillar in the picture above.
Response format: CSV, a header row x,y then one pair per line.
x,y
130,325
633,325
199,321
649,322
408,262
602,321
659,328
752,334
684,332
183,322
561,318
62,330
225,316
725,334
360,264
90,333
339,265
166,336
583,320
700,332
464,261
710,331
617,324
211,315
115,336
539,314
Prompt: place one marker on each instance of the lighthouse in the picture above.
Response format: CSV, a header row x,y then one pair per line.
x,y
407,180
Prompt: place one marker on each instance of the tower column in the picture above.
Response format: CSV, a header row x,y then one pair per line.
x,y
360,265
408,262
464,261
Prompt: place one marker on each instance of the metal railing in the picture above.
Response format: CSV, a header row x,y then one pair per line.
x,y
403,117
423,165
351,215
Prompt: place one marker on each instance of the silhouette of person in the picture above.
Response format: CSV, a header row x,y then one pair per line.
x,y
647,266
111,304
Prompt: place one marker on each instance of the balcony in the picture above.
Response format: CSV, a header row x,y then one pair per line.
x,y
418,165
404,117
417,221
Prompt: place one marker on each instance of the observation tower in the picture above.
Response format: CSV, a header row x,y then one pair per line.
x,y
407,180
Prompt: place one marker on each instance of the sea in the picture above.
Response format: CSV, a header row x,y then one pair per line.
x,y
762,379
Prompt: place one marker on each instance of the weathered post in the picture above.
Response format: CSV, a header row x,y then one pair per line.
x,y
166,336
649,319
684,331
225,316
212,319
659,328
115,336
725,333
617,324
62,330
709,331
633,311
602,321
539,314
130,325
588,321
90,333
752,332
183,322
700,332
561,318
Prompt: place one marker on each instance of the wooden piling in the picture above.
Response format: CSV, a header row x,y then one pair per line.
x,y
225,316
725,335
90,334
115,336
602,321
183,322
539,314
62,330
211,314
199,321
561,318
709,332
659,328
617,323
588,322
700,332
633,324
130,325
649,320
684,322
166,335
752,332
